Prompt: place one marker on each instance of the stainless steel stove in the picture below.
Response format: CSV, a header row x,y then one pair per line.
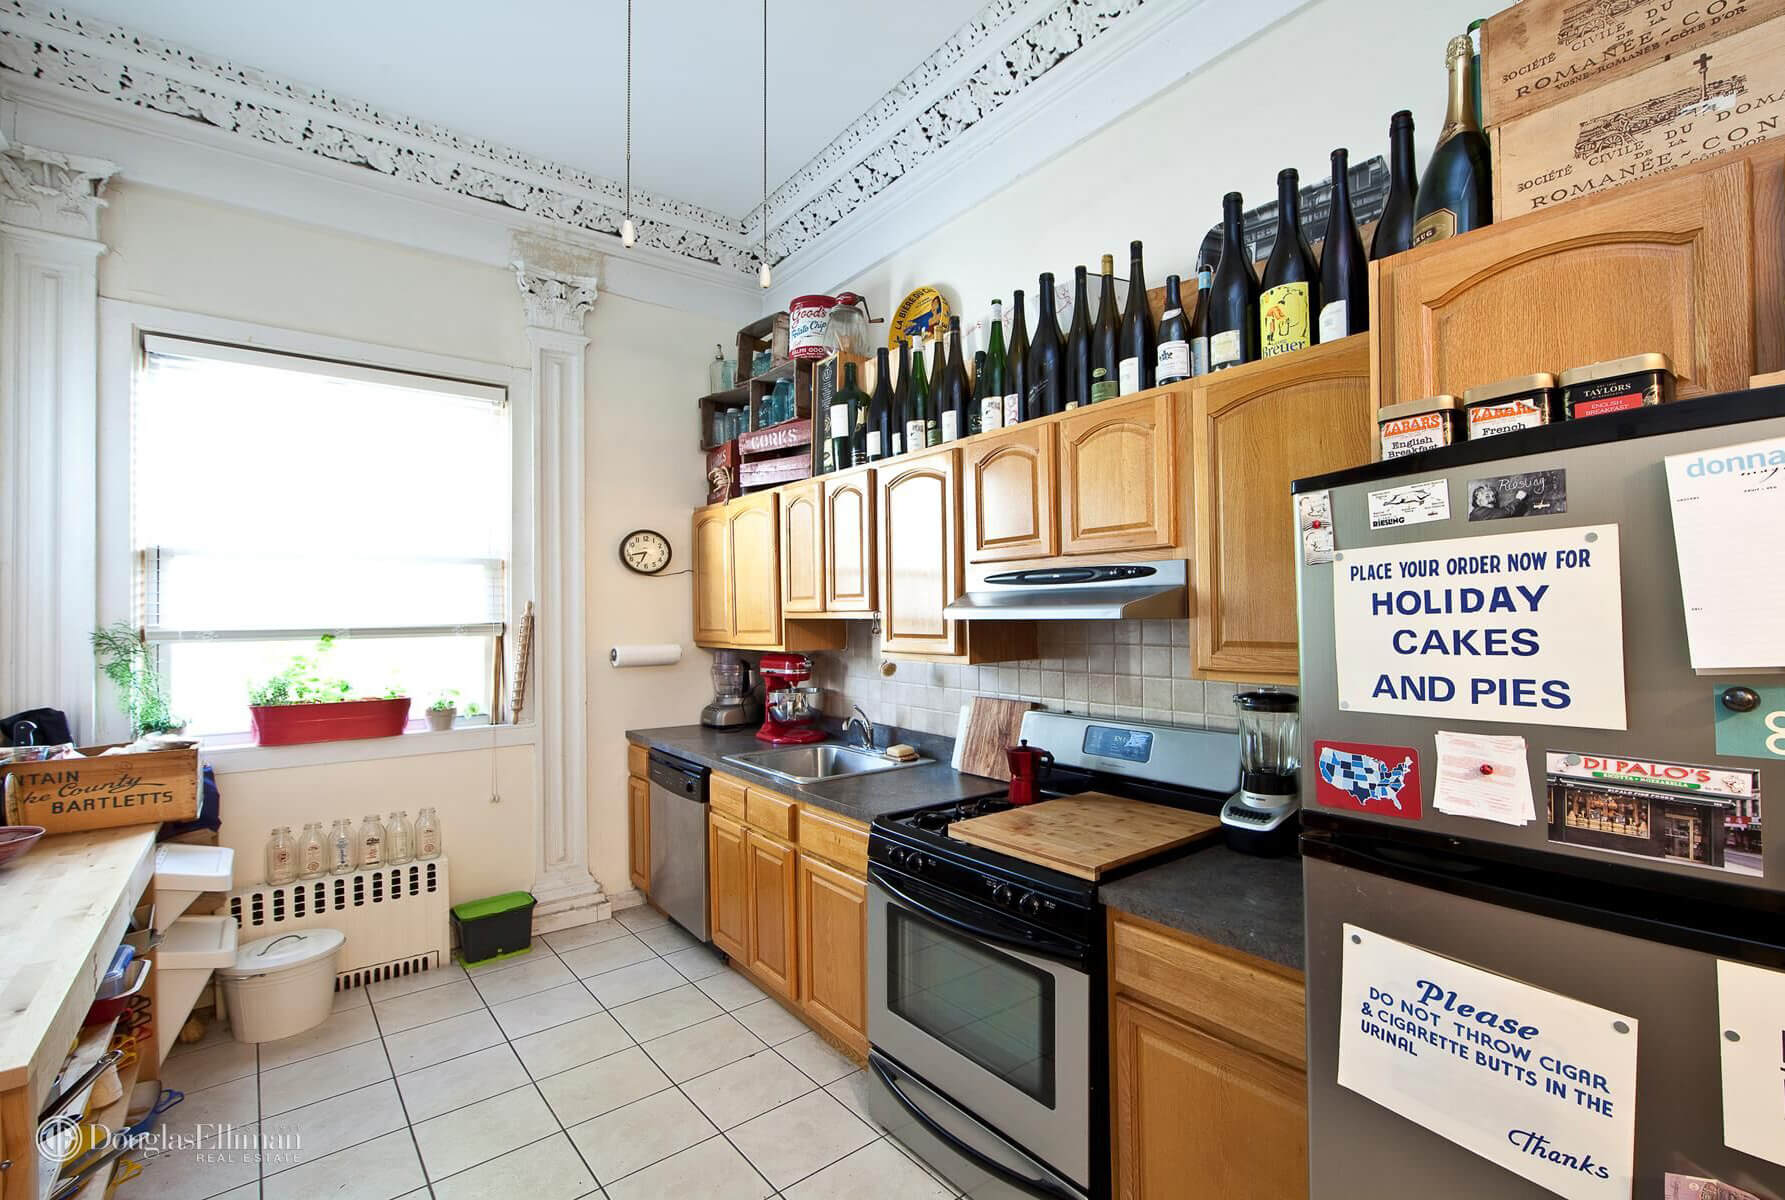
x,y
986,997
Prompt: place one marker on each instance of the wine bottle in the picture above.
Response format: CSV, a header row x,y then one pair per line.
x,y
1016,363
990,380
1291,278
1344,278
880,409
976,409
1233,295
1172,359
1199,323
901,400
1394,231
846,422
1456,192
1078,344
920,427
1138,355
1048,373
955,396
1106,339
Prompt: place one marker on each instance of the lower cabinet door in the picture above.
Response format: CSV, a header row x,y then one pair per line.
x,y
833,913
774,934
638,808
1193,1114
727,886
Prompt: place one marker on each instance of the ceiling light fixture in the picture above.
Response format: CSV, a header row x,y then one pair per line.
x,y
763,278
628,231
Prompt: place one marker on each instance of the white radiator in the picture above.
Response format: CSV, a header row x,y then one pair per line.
x,y
395,918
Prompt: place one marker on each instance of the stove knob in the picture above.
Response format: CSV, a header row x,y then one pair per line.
x,y
897,857
1029,905
916,863
1003,896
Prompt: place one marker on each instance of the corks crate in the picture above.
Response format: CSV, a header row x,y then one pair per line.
x,y
103,791
1674,112
776,455
1542,52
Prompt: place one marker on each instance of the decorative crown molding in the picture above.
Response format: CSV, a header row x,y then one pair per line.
x,y
56,193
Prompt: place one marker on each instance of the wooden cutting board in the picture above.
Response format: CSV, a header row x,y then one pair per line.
x,y
1086,835
993,726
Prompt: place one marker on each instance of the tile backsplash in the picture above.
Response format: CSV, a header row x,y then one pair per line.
x,y
1139,670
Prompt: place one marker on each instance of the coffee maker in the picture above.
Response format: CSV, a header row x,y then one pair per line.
x,y
734,701
1261,817
793,709
1029,765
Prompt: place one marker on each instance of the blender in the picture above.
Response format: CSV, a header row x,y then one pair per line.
x,y
733,702
793,709
1260,817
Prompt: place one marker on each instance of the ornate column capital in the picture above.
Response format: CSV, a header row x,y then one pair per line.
x,y
557,281
52,192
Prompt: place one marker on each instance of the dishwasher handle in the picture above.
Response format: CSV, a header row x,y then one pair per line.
x,y
679,778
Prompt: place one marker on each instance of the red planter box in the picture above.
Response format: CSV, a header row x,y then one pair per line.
x,y
345,720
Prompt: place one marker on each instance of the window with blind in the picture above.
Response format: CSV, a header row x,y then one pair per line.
x,y
278,499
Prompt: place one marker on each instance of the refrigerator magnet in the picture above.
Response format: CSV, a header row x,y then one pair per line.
x,y
1750,720
1687,813
1314,523
1359,777
1410,504
1528,494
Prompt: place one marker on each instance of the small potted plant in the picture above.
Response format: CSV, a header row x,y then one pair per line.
x,y
300,705
444,710
125,660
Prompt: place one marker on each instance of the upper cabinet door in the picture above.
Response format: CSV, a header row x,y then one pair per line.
x,y
1667,265
1009,495
712,576
1118,476
755,571
920,553
1255,429
802,549
849,543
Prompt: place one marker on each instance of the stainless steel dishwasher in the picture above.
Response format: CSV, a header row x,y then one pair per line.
x,y
679,840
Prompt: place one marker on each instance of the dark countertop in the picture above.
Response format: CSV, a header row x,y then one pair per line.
x,y
1249,903
862,797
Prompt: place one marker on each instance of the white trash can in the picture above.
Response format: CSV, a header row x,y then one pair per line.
x,y
283,985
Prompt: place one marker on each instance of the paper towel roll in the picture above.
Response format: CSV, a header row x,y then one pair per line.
x,y
661,655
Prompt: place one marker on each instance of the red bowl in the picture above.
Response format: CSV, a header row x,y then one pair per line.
x,y
16,839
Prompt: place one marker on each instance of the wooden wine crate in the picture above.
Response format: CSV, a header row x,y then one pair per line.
x,y
1542,52
1675,112
103,791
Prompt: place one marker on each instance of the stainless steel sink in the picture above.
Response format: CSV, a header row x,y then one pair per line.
x,y
826,760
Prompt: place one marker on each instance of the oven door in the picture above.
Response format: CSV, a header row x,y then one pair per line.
x,y
961,998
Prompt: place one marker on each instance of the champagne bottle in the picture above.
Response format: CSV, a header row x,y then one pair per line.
x,y
1016,363
901,406
1106,339
846,422
955,396
1172,359
1291,278
1078,344
1139,364
1233,295
920,427
990,380
1456,192
1199,324
1344,279
880,409
1047,358
1394,231
976,409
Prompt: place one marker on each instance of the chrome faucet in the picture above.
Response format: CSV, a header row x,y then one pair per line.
x,y
861,727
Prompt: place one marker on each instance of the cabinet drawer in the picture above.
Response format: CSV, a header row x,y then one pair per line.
x,y
771,813
830,837
726,796
1241,997
638,761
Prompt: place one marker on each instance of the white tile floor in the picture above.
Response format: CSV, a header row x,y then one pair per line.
x,y
619,1060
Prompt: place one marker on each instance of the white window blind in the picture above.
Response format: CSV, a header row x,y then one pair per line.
x,y
278,498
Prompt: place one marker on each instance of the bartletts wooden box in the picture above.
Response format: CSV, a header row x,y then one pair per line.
x,y
103,791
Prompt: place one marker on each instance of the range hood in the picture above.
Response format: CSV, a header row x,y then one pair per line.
x,y
1101,591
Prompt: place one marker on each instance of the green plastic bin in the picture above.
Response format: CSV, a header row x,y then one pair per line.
x,y
495,927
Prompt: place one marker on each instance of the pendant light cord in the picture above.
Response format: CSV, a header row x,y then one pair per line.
x,y
765,132
629,109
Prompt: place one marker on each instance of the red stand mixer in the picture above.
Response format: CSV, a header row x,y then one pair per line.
x,y
792,709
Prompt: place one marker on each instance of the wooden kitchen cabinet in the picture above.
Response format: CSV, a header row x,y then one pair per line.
x,y
638,808
712,576
755,570
833,931
1118,475
727,886
802,548
849,500
770,892
1254,429
738,581
1011,512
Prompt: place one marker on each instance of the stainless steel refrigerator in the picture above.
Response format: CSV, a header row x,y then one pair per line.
x,y
1511,611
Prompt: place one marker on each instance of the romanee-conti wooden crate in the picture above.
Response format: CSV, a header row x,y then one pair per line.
x,y
1541,52
103,791
1677,111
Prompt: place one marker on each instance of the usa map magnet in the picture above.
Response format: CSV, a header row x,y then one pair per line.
x,y
1360,777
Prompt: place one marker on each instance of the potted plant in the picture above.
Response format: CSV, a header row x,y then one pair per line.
x,y
124,659
300,704
444,710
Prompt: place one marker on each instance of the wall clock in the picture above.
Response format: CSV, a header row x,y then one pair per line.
x,y
645,551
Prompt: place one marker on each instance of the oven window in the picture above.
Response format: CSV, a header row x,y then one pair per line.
x,y
995,1009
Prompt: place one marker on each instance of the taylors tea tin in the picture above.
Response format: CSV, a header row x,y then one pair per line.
x,y
1638,381
1510,405
1419,425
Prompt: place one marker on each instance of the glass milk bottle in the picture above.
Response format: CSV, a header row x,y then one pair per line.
x,y
312,856
427,834
340,848
371,842
281,857
399,846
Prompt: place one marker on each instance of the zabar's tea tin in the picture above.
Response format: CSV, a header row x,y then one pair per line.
x,y
1419,425
1510,405
1639,381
